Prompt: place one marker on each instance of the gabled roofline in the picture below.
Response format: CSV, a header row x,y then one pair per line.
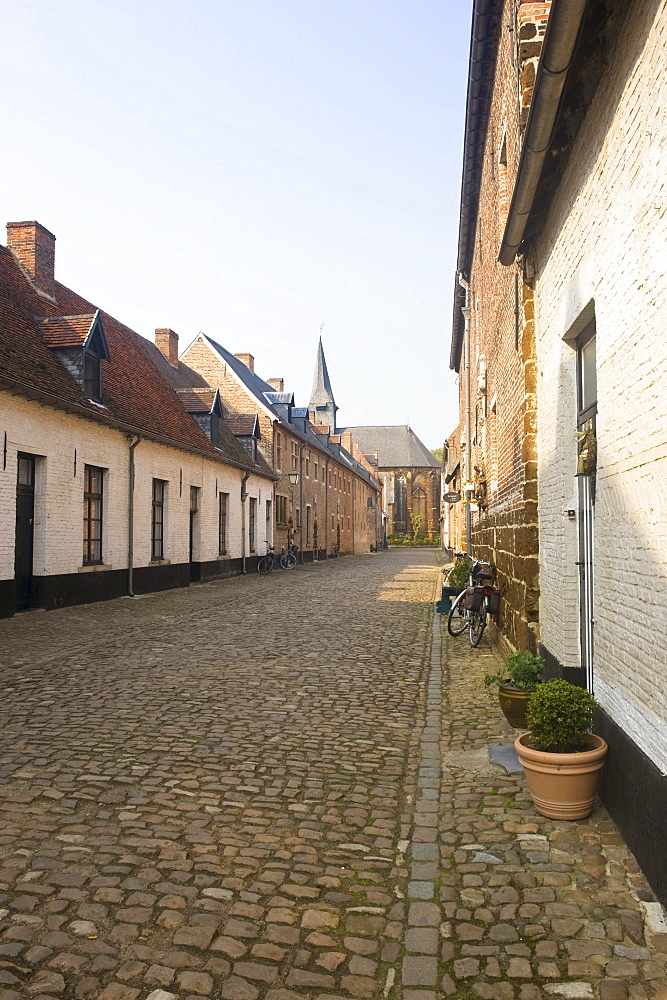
x,y
266,406
97,327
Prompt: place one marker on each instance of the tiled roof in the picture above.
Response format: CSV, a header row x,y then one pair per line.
x,y
397,447
134,393
244,424
197,400
66,331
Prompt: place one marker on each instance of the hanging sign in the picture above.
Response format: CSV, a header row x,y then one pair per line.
x,y
451,497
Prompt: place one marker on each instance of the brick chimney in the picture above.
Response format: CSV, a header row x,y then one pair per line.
x,y
277,383
35,248
167,341
247,360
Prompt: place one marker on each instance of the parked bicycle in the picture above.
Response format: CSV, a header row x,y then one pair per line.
x,y
289,559
475,603
267,562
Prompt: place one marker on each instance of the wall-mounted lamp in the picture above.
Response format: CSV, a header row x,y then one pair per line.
x,y
293,478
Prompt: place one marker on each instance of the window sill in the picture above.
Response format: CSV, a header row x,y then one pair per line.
x,y
160,562
94,567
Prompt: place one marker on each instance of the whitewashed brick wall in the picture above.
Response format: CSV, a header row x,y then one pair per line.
x,y
605,243
55,436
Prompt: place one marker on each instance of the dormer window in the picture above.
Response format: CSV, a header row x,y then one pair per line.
x,y
80,345
92,376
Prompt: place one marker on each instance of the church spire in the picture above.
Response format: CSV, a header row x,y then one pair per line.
x,y
322,402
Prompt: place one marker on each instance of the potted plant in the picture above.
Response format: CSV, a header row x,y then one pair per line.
x,y
457,580
561,758
516,680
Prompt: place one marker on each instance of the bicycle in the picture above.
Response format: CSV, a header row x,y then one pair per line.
x,y
288,560
267,562
474,604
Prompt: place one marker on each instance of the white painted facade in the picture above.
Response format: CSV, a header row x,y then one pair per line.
x,y
64,444
603,251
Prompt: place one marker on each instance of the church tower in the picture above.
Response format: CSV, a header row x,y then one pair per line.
x,y
322,406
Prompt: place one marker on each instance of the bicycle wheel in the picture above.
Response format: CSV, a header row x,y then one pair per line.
x,y
291,560
265,564
457,619
477,625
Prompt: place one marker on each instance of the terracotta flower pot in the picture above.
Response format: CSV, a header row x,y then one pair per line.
x,y
513,703
562,785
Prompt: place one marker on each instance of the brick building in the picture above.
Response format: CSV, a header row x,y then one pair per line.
x,y
589,216
326,500
107,485
493,450
410,475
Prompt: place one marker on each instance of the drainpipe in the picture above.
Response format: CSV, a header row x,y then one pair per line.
x,y
130,518
244,497
557,50
301,510
467,471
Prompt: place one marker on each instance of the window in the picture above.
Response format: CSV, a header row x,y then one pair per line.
x,y
223,513
315,475
295,456
92,514
252,525
307,525
157,521
281,510
279,451
400,505
308,465
92,376
298,519
587,389
269,533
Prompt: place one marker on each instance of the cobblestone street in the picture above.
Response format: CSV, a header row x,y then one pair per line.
x,y
280,787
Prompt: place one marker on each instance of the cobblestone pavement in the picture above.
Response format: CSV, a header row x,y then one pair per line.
x,y
280,787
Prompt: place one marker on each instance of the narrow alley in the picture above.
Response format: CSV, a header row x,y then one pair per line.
x,y
280,787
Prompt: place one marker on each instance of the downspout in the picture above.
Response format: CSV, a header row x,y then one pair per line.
x,y
244,497
467,471
353,483
301,511
130,518
559,42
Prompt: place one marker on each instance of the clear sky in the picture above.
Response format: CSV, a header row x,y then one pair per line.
x,y
254,169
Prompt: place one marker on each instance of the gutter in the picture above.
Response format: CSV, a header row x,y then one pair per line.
x,y
484,16
130,519
559,42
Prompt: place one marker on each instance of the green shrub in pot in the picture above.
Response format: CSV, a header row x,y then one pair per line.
x,y
560,717
522,670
